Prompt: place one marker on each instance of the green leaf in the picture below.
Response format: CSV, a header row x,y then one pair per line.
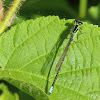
x,y
29,53
6,95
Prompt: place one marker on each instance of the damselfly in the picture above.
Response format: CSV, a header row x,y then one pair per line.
x,y
61,60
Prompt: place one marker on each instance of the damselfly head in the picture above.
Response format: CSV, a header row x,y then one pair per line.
x,y
78,22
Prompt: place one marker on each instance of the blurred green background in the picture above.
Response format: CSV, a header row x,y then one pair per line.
x,y
84,10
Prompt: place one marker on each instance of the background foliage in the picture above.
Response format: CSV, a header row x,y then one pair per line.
x,y
68,9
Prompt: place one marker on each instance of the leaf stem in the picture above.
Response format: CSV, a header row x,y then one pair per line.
x,y
82,8
10,13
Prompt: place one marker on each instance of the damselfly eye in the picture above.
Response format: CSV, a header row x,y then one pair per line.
x,y
80,23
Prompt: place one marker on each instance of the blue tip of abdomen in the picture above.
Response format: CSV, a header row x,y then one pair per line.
x,y
50,91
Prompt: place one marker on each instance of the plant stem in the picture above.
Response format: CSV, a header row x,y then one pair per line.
x,y
9,15
82,8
